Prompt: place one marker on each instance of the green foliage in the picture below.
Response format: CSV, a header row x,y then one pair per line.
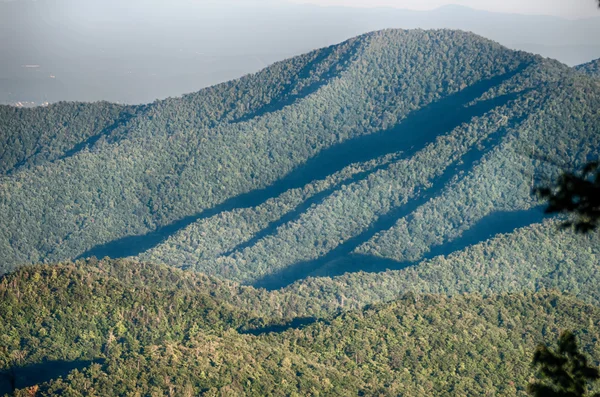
x,y
370,161
567,370
179,157
156,330
440,193
42,135
531,258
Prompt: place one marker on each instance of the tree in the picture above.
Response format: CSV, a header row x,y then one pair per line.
x,y
576,194
564,373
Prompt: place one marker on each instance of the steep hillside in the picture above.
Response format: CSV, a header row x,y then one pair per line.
x,y
591,68
127,330
464,188
392,146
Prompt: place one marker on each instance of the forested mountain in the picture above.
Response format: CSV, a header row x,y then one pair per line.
x,y
358,220
377,153
117,328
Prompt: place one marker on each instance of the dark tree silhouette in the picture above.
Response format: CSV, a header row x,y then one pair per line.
x,y
576,194
564,373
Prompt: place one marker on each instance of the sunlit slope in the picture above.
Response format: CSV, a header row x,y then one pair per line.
x,y
128,332
529,258
346,150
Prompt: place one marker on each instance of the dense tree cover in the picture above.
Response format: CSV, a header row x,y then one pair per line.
x,y
39,135
529,259
151,330
428,200
180,157
591,68
152,339
353,175
504,178
432,343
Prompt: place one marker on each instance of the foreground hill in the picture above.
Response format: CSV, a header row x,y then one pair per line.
x,y
388,148
110,328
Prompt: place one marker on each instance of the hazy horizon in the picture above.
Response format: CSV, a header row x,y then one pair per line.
x,y
567,9
138,51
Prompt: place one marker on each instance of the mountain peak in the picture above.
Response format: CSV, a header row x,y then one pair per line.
x,y
366,131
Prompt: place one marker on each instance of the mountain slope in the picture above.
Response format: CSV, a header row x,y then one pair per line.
x,y
471,179
529,259
355,149
591,68
40,135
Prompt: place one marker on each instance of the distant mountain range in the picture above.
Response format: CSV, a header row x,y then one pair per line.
x,y
90,50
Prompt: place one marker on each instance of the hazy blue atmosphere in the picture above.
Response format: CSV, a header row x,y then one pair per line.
x,y
568,9
138,51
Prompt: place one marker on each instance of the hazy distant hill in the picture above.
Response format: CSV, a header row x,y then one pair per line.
x,y
88,50
374,154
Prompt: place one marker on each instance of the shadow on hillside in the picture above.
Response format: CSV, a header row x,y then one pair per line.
x,y
296,323
386,221
347,262
304,206
35,374
418,129
91,141
288,97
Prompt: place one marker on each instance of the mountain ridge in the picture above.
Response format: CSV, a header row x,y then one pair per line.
x,y
342,153
357,220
